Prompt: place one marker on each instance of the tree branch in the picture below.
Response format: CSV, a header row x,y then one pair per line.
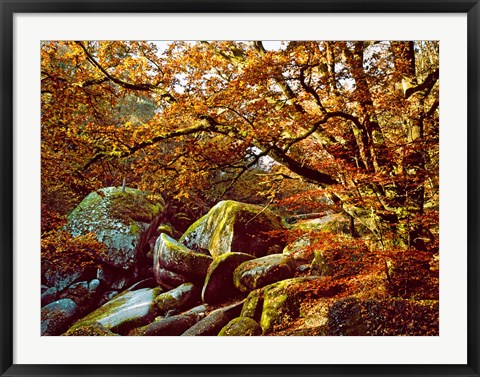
x,y
425,86
202,125
305,172
318,126
432,109
141,87
309,89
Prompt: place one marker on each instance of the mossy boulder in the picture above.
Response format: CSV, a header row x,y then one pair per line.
x,y
263,271
57,316
287,300
173,256
117,219
215,321
60,276
91,329
182,297
171,326
125,311
219,285
235,227
241,326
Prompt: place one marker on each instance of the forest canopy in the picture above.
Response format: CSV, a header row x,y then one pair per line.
x,y
343,126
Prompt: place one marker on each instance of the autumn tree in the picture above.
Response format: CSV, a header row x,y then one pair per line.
x,y
356,122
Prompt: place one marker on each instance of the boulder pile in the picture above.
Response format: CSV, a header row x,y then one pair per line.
x,y
229,274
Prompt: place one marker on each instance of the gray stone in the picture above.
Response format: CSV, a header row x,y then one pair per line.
x,y
171,326
299,249
60,277
117,219
215,321
200,309
260,272
79,288
253,305
182,297
121,283
126,311
107,296
303,268
172,312
111,294
57,316
94,286
104,276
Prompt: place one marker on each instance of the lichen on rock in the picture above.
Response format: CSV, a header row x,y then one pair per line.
x,y
116,218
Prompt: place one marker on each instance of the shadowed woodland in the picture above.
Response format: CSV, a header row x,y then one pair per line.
x,y
240,188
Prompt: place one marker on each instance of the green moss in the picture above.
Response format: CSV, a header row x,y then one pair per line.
x,y
134,229
165,302
263,271
178,298
91,329
92,200
132,205
281,301
241,326
253,305
233,227
167,229
271,309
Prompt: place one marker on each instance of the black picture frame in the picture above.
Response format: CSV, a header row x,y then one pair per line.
x,y
9,8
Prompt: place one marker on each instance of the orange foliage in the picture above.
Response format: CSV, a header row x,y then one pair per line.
x,y
66,252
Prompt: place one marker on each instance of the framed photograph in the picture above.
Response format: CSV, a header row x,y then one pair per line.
x,y
239,188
